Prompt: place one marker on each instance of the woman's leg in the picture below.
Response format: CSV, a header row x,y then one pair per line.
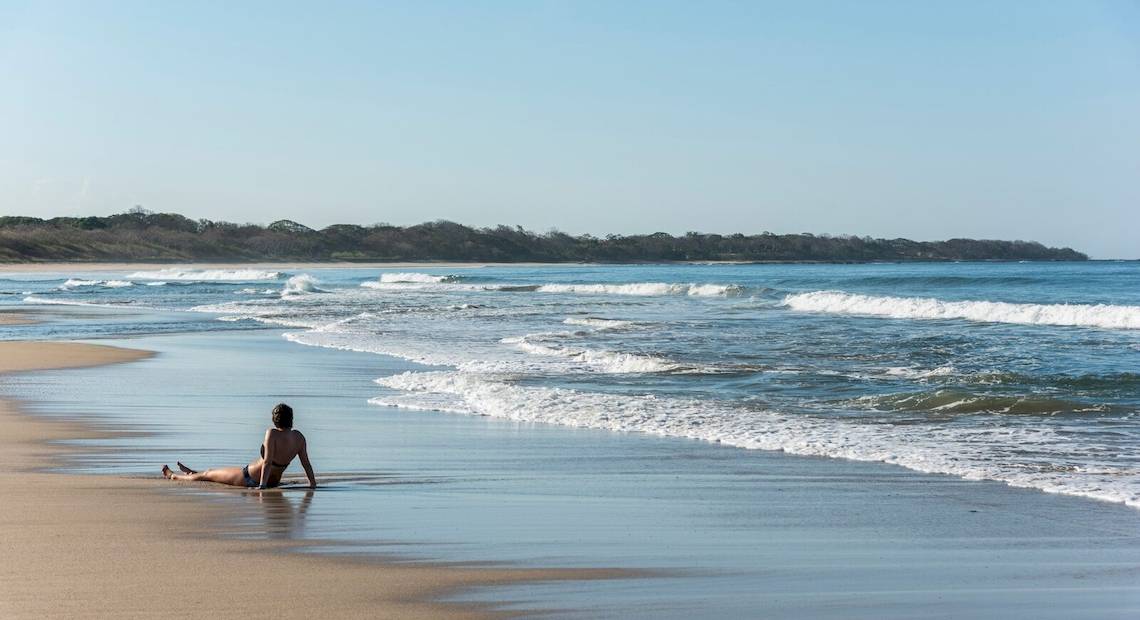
x,y
221,475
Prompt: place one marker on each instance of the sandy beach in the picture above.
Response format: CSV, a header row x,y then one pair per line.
x,y
104,546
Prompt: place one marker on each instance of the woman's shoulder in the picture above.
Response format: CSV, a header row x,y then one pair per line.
x,y
273,431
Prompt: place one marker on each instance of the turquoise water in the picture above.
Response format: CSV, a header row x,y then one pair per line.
x,y
737,532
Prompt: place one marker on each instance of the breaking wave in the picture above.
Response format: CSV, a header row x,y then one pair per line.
x,y
301,285
1076,315
75,283
614,362
646,289
404,286
415,278
971,453
417,281
207,275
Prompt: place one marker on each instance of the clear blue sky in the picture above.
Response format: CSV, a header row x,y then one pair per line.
x,y
918,119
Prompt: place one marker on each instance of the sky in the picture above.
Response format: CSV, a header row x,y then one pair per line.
x,y
926,120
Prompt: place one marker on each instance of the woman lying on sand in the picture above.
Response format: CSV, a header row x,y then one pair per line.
x,y
281,444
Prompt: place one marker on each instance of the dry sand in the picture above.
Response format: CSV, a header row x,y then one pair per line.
x,y
103,546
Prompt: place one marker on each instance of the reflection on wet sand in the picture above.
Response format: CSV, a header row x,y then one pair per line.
x,y
344,480
281,511
282,515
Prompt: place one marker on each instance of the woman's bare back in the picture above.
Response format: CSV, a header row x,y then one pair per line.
x,y
278,451
281,445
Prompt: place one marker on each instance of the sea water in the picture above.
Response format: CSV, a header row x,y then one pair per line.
x,y
1024,373
707,373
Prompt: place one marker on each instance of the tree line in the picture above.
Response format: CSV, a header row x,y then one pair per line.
x,y
141,235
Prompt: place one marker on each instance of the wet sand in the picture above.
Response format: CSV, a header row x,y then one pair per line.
x,y
15,318
104,546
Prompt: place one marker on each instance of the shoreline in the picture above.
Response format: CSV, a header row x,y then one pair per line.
x,y
85,267
504,494
113,546
99,266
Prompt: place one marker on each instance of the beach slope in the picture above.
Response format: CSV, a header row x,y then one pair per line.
x,y
101,546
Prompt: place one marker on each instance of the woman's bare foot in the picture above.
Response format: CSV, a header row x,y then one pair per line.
x,y
166,473
185,469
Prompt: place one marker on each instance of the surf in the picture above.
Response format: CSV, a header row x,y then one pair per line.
x,y
1063,315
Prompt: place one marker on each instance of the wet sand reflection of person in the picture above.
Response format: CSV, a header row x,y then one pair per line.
x,y
283,517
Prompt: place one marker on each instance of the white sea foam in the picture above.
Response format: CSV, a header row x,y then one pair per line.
x,y
599,323
713,290
605,361
424,282
978,453
919,373
1078,315
430,286
44,301
415,278
262,313
76,283
300,285
353,342
443,403
207,275
644,289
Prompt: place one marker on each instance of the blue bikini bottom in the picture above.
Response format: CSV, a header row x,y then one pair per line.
x,y
249,482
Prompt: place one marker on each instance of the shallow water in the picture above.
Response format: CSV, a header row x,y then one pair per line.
x,y
1021,373
735,533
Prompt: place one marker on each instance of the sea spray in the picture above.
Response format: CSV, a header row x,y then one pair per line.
x,y
300,285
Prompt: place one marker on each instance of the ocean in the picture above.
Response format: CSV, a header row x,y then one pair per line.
x,y
878,441
1028,373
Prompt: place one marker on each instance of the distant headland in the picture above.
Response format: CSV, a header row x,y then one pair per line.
x,y
140,235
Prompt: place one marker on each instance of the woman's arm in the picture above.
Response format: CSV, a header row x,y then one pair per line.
x,y
268,449
304,456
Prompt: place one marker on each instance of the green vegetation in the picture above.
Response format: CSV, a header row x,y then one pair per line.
x,y
140,235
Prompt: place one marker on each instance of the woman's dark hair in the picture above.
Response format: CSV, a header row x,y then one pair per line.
x,y
283,416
